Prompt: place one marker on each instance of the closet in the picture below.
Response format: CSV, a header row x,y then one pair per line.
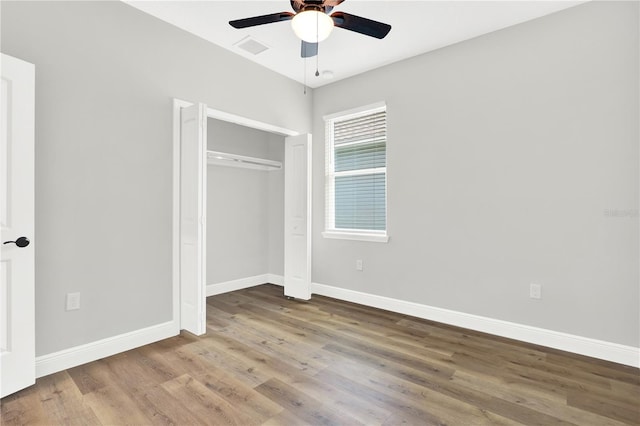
x,y
245,206
242,208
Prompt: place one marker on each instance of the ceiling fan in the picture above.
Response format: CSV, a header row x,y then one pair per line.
x,y
312,23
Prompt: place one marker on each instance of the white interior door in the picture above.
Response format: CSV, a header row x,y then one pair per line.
x,y
193,201
17,277
297,222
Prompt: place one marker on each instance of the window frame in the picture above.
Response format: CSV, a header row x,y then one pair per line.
x,y
330,231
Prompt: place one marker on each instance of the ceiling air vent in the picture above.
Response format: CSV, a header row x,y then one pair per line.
x,y
251,45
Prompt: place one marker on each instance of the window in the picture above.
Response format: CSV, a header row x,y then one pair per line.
x,y
356,174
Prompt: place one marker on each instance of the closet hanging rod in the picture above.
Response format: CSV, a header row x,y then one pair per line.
x,y
234,160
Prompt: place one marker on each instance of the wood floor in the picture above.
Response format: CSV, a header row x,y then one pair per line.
x,y
269,360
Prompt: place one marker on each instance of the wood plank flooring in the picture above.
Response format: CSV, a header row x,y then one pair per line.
x,y
266,360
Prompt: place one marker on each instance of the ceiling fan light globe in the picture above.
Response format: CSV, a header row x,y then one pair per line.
x,y
312,26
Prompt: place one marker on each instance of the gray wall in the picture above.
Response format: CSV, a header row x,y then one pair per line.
x,y
106,74
245,227
512,158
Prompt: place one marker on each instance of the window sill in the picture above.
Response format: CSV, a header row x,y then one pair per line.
x,y
376,238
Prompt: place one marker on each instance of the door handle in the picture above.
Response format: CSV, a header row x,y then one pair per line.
x,y
20,242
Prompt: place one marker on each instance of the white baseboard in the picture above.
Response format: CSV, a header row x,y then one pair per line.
x,y
72,357
614,352
239,284
275,279
78,355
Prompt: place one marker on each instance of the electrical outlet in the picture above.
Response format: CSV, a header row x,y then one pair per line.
x,y
73,301
535,291
359,265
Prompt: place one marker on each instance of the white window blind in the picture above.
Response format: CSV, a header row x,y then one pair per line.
x,y
356,172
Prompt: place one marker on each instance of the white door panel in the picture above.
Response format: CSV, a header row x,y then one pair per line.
x,y
193,201
297,210
17,264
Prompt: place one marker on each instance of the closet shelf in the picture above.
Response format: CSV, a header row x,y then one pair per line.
x,y
234,160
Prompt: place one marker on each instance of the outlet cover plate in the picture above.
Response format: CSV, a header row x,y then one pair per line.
x,y
73,301
535,291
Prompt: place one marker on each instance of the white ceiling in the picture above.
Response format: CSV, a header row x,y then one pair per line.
x,y
417,27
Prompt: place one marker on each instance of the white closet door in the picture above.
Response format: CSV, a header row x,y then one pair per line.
x,y
17,276
193,201
297,222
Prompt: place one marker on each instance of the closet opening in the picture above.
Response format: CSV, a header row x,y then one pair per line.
x,y
245,207
241,209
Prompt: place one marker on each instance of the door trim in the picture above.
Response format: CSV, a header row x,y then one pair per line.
x,y
218,115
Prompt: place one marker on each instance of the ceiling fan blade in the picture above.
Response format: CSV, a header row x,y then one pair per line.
x,y
308,49
360,25
260,20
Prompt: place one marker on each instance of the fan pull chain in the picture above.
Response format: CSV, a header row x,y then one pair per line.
x,y
317,43
305,75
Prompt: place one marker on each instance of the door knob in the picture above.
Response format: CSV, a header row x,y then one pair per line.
x,y
20,242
